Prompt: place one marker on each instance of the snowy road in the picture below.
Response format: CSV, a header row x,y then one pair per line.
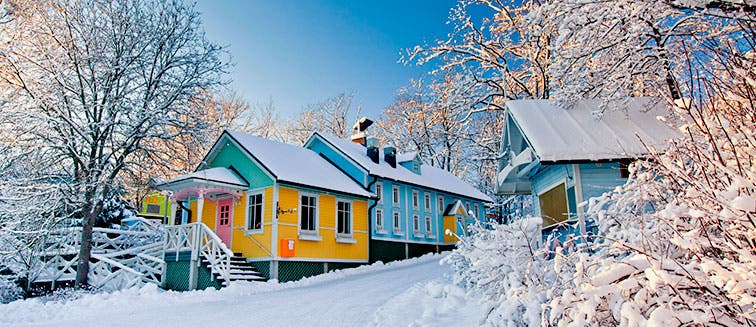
x,y
416,292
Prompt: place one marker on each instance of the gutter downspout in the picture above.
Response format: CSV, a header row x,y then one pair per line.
x,y
370,216
579,198
274,237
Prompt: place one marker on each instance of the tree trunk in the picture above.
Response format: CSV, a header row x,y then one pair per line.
x,y
85,249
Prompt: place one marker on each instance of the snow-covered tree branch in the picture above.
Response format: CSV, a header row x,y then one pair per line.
x,y
95,83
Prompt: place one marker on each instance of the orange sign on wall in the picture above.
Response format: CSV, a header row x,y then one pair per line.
x,y
287,247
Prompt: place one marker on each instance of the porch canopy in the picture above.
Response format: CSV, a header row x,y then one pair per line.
x,y
211,183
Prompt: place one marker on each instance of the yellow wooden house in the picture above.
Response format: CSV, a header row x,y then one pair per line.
x,y
280,208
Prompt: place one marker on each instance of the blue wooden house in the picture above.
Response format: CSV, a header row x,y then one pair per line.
x,y
565,156
416,203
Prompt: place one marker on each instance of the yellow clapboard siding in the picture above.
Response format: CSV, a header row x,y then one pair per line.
x,y
450,223
244,242
327,247
288,199
208,213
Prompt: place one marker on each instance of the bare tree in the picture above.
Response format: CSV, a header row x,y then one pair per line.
x,y
334,115
435,120
95,83
505,57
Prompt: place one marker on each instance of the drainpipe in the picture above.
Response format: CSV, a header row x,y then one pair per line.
x,y
370,216
274,237
579,198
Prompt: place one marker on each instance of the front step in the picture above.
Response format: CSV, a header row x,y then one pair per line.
x,y
241,270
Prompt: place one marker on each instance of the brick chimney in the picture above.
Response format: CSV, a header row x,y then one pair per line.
x,y
359,138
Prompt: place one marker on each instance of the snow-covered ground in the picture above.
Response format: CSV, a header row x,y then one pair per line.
x,y
415,292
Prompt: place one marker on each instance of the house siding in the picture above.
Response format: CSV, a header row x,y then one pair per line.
x,y
230,155
548,177
599,178
341,161
253,245
407,211
327,247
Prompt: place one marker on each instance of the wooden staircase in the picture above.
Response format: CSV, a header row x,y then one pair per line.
x,y
241,270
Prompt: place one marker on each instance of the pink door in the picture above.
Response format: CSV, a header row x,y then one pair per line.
x,y
223,220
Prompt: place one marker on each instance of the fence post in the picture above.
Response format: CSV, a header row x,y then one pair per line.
x,y
164,266
194,264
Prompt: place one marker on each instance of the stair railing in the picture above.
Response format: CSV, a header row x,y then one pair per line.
x,y
203,244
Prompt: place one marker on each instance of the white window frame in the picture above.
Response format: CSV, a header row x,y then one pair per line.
x,y
395,194
475,211
429,227
247,226
415,199
379,191
416,224
305,234
467,207
396,221
379,225
441,204
415,166
427,201
351,218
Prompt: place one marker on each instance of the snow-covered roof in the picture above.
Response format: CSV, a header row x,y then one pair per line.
x,y
431,177
577,133
404,157
453,208
295,164
220,175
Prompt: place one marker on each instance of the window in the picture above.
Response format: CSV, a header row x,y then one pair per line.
x,y
476,210
378,219
397,226
255,212
415,166
427,201
441,205
415,199
344,218
428,226
224,214
467,208
395,195
379,192
153,208
308,210
416,224
624,171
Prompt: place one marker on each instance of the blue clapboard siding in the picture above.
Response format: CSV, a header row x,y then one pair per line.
x,y
404,207
548,176
596,179
338,159
407,212
599,178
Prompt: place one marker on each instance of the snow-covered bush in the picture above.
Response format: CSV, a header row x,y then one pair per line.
x,y
115,209
9,289
687,253
507,267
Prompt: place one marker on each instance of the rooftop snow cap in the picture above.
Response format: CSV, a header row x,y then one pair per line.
x,y
372,148
389,155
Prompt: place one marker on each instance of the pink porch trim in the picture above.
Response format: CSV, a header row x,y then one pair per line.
x,y
201,191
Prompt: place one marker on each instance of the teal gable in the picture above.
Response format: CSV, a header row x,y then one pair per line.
x,y
565,156
407,218
343,162
228,153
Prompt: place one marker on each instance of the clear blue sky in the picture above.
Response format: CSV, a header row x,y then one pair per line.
x,y
302,52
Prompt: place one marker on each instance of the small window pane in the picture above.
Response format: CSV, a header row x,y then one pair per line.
x,y
307,211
